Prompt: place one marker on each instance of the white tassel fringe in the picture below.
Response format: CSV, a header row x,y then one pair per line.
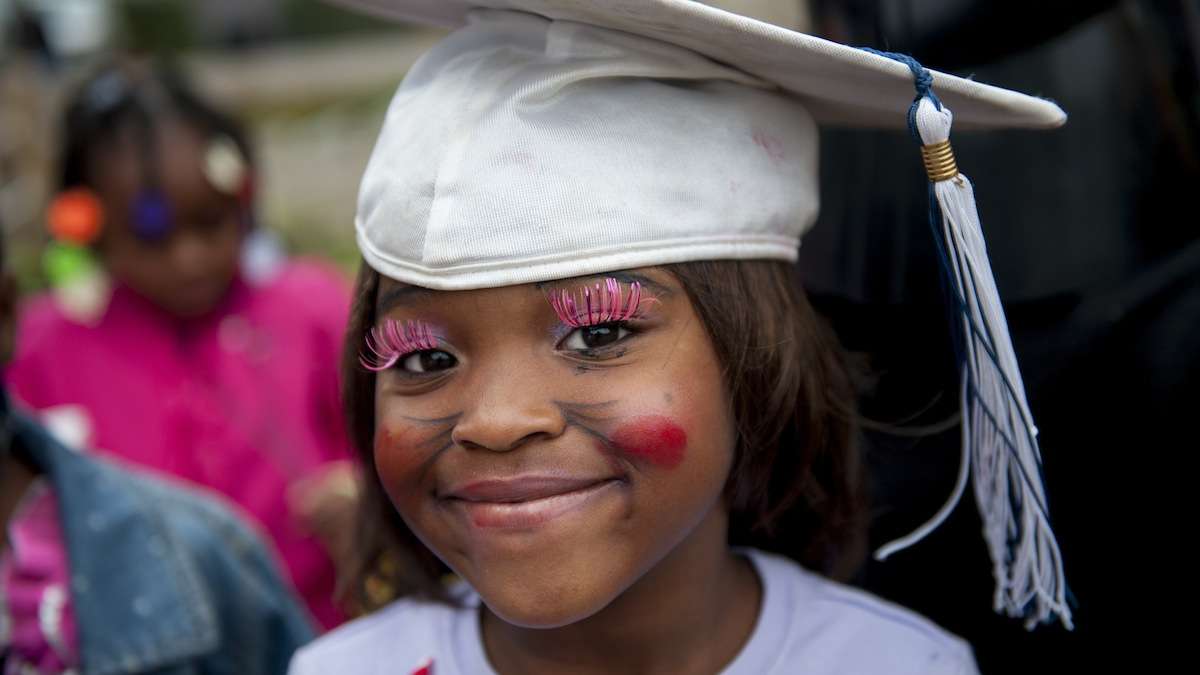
x,y
999,438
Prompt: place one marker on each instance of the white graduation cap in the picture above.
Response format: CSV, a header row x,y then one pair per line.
x,y
546,139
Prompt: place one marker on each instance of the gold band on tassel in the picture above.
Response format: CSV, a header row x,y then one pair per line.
x,y
939,161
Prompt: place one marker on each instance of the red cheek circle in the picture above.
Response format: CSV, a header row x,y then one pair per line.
x,y
386,440
654,438
382,441
396,449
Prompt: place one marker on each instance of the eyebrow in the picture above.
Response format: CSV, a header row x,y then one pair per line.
x,y
400,294
623,277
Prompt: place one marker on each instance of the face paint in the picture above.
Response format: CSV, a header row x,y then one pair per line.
x,y
385,440
414,443
653,438
399,452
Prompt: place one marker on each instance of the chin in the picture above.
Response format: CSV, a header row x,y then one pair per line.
x,y
193,306
544,611
533,596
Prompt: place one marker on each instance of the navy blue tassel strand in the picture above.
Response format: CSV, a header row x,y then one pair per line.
x,y
999,445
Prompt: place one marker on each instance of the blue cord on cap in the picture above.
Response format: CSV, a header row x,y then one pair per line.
x,y
922,81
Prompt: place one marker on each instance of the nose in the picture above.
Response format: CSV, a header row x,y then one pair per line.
x,y
190,252
511,406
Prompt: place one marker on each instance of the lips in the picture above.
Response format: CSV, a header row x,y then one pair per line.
x,y
527,501
520,489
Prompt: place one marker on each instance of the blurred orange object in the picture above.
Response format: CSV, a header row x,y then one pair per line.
x,y
75,216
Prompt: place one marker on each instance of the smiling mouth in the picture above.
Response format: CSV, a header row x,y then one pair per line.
x,y
528,502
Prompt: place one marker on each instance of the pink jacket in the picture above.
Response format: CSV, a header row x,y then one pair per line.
x,y
243,400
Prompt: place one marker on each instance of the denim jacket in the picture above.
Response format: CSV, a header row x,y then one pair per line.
x,y
164,579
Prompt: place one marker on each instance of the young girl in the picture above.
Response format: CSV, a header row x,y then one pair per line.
x,y
106,570
195,364
579,366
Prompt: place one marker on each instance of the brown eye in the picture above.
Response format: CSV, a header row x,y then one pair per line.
x,y
595,337
427,361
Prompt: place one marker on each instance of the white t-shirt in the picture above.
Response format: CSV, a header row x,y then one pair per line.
x,y
807,624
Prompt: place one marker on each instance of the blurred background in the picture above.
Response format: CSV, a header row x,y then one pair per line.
x,y
310,81
1092,230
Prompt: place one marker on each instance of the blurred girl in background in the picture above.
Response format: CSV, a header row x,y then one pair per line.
x,y
107,570
169,349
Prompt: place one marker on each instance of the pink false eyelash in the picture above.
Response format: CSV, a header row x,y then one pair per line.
x,y
391,341
592,305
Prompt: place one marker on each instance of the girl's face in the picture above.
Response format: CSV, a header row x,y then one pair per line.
x,y
552,465
188,271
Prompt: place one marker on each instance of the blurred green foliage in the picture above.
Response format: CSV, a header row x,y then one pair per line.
x,y
168,26
315,19
156,26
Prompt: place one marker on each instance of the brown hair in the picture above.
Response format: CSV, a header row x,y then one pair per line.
x,y
796,486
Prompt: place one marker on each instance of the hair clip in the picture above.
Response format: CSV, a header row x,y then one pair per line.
x,y
75,216
225,167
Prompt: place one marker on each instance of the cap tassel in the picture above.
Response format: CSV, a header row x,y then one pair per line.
x,y
999,439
